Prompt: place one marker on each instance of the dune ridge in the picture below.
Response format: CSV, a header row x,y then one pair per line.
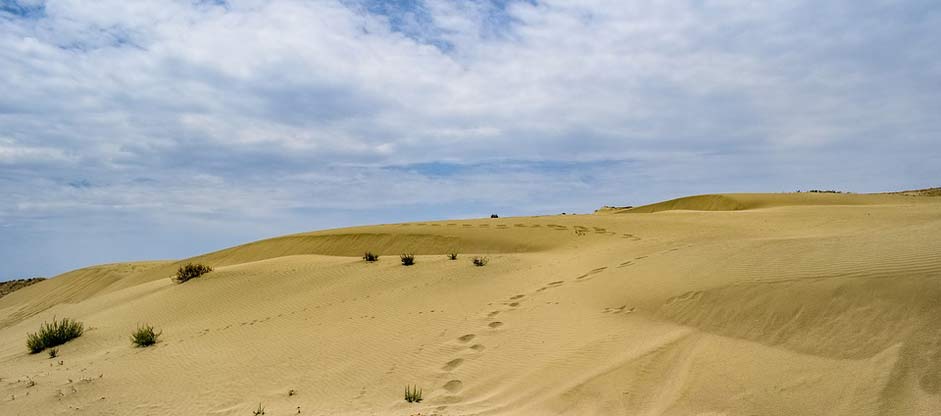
x,y
734,304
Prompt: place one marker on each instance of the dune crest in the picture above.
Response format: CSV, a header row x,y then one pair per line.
x,y
733,304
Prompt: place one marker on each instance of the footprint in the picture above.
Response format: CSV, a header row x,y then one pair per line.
x,y
454,386
455,363
625,264
598,270
517,297
556,283
492,314
466,338
514,304
581,277
641,257
496,324
478,347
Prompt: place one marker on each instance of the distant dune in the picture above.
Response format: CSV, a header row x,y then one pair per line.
x,y
14,285
727,304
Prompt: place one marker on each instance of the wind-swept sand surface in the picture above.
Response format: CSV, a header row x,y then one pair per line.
x,y
738,304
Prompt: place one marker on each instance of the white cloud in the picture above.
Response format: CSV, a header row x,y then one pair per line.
x,y
299,105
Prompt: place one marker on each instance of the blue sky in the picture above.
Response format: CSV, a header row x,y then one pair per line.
x,y
164,129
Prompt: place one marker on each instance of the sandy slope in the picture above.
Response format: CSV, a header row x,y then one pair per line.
x,y
750,305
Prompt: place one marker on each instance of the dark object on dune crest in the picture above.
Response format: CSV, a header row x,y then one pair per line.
x,y
190,271
370,256
145,336
494,216
412,394
54,334
480,261
452,256
407,259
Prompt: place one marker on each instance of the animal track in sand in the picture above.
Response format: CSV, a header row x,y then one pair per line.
x,y
466,338
493,313
625,264
585,276
453,386
478,347
618,309
641,257
514,304
517,297
455,363
495,324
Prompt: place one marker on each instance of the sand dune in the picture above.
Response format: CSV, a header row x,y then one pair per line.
x,y
736,304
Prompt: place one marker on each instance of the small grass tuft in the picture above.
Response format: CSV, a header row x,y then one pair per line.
x,y
54,334
259,411
190,271
452,256
480,261
408,259
53,353
412,394
370,256
145,336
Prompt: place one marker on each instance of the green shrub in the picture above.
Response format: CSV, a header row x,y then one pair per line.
x,y
480,261
370,256
452,256
407,259
412,394
53,334
191,271
145,336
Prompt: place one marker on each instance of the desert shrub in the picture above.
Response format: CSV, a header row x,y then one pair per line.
x,y
191,271
480,261
145,336
53,334
494,216
259,411
412,394
370,256
452,256
53,353
407,259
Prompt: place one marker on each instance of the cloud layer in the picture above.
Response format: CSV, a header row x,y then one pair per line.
x,y
162,129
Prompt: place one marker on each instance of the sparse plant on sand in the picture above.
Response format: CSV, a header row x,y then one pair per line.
x,y
452,256
480,261
370,256
190,271
145,336
494,216
54,334
408,259
412,394
259,411
53,353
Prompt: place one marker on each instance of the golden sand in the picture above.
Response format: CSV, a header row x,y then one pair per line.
x,y
737,304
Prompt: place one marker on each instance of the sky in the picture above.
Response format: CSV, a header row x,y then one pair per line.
x,y
134,130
